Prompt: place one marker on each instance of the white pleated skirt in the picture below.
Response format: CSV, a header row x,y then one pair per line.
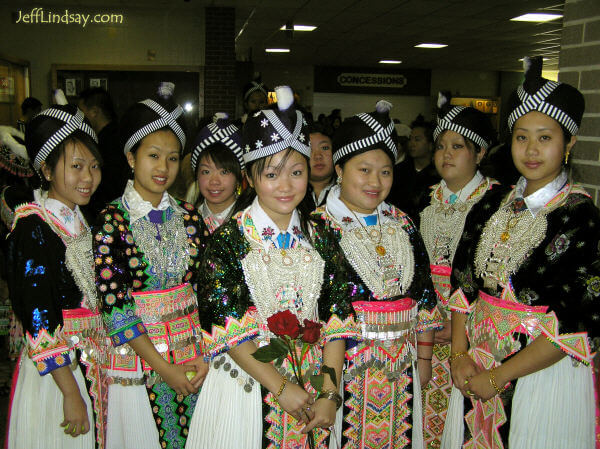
x,y
551,409
130,423
36,412
226,416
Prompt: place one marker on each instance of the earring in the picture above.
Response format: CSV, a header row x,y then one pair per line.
x,y
339,180
238,191
567,157
48,178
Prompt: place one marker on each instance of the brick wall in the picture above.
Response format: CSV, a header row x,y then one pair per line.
x,y
219,71
580,66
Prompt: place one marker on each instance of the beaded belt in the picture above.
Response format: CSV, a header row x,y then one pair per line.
x,y
389,339
494,324
172,322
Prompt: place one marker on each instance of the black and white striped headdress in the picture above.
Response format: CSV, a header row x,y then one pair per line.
x,y
560,101
51,127
270,131
150,115
466,121
221,131
253,87
374,130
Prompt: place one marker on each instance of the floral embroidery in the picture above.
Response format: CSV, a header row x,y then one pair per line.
x,y
275,137
593,286
528,296
264,123
268,233
386,213
296,230
259,144
558,246
66,214
347,220
465,280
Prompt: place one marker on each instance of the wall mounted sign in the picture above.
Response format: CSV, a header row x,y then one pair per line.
x,y
373,80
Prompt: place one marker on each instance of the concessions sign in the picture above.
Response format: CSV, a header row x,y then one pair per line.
x,y
372,80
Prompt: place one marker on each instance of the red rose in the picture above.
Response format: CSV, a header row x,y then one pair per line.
x,y
312,332
284,323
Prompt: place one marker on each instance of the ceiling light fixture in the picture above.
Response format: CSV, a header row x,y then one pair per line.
x,y
430,45
277,50
543,59
536,17
300,28
390,61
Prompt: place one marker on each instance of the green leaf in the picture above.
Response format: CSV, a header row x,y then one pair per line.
x,y
270,352
328,370
316,380
281,345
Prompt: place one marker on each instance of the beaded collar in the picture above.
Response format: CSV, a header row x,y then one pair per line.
x,y
139,207
538,199
335,208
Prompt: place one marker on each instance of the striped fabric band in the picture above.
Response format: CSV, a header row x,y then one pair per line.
x,y
381,135
255,86
536,102
222,136
72,123
289,140
446,122
166,120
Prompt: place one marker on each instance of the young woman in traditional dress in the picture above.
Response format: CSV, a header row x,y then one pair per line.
x,y
462,137
219,168
51,282
147,248
525,316
261,262
382,277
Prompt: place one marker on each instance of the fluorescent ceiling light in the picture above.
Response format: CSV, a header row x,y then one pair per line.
x,y
188,106
536,17
301,28
390,61
543,59
426,45
277,50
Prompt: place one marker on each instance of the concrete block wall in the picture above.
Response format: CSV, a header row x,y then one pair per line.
x,y
580,66
219,72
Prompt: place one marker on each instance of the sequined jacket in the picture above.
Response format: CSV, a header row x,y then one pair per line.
x,y
562,272
41,287
224,301
121,267
346,286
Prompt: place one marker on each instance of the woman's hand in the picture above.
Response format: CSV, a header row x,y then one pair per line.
x,y
481,387
297,402
444,335
324,415
75,415
175,377
200,367
462,369
424,368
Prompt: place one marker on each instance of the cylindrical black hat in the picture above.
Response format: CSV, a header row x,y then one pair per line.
x,y
222,131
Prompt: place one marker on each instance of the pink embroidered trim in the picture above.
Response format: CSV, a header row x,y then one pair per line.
x,y
222,338
458,302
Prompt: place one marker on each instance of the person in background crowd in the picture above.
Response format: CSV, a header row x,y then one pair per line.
x,y
381,264
50,278
98,108
219,170
322,175
255,98
403,132
414,176
146,251
29,108
525,313
462,138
